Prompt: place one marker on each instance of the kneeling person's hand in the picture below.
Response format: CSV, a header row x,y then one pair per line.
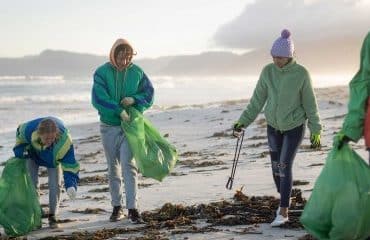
x,y
71,191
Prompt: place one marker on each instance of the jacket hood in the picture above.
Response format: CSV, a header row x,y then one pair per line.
x,y
118,42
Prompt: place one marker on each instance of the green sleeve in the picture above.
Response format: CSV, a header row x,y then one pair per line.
x,y
310,106
144,96
256,103
353,124
101,99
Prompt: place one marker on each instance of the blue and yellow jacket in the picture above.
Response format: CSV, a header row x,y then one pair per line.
x,y
28,145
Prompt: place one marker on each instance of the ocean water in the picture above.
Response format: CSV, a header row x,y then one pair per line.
x,y
24,98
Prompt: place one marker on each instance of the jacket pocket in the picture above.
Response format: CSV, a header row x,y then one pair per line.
x,y
268,112
298,114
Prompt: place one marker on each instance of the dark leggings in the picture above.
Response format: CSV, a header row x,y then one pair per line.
x,y
283,148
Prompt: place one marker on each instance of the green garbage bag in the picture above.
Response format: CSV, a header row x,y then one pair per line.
x,y
339,206
20,210
154,156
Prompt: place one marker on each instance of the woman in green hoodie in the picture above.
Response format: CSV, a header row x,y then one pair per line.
x,y
285,87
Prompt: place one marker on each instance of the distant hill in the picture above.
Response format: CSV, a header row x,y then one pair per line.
x,y
337,57
51,62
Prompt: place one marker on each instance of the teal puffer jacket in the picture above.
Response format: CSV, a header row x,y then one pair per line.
x,y
111,86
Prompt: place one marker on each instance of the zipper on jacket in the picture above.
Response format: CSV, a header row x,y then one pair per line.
x,y
277,103
123,82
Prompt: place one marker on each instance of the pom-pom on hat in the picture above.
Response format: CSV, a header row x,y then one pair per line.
x,y
283,46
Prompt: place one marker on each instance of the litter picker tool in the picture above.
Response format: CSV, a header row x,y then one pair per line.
x,y
239,143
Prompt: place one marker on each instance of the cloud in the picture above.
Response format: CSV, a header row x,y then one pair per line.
x,y
310,21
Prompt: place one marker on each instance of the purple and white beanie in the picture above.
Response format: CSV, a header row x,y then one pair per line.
x,y
283,46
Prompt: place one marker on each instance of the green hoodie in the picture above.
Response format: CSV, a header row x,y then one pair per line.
x,y
289,99
353,125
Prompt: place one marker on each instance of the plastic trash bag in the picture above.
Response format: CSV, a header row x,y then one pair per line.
x,y
154,156
20,210
339,206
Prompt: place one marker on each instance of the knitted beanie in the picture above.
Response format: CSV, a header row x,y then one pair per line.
x,y
283,46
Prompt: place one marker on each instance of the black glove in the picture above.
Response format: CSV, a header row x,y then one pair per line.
x,y
237,128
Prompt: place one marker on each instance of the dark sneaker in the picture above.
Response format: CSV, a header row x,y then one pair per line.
x,y
117,214
53,223
134,216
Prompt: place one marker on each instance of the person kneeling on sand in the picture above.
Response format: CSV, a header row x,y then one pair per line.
x,y
47,142
118,85
285,87
357,121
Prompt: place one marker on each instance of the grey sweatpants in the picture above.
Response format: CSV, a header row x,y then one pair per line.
x,y
54,182
120,164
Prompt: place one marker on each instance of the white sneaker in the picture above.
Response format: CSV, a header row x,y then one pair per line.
x,y
279,220
278,211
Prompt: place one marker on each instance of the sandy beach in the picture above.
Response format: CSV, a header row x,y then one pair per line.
x,y
192,67
202,135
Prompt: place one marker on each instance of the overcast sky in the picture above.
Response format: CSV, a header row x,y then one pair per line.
x,y
170,27
154,27
310,21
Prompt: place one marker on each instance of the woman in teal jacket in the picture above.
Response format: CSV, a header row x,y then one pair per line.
x,y
118,85
285,89
47,142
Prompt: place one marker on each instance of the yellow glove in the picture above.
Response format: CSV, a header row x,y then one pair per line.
x,y
315,140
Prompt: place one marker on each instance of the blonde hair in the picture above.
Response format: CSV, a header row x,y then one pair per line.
x,y
47,126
